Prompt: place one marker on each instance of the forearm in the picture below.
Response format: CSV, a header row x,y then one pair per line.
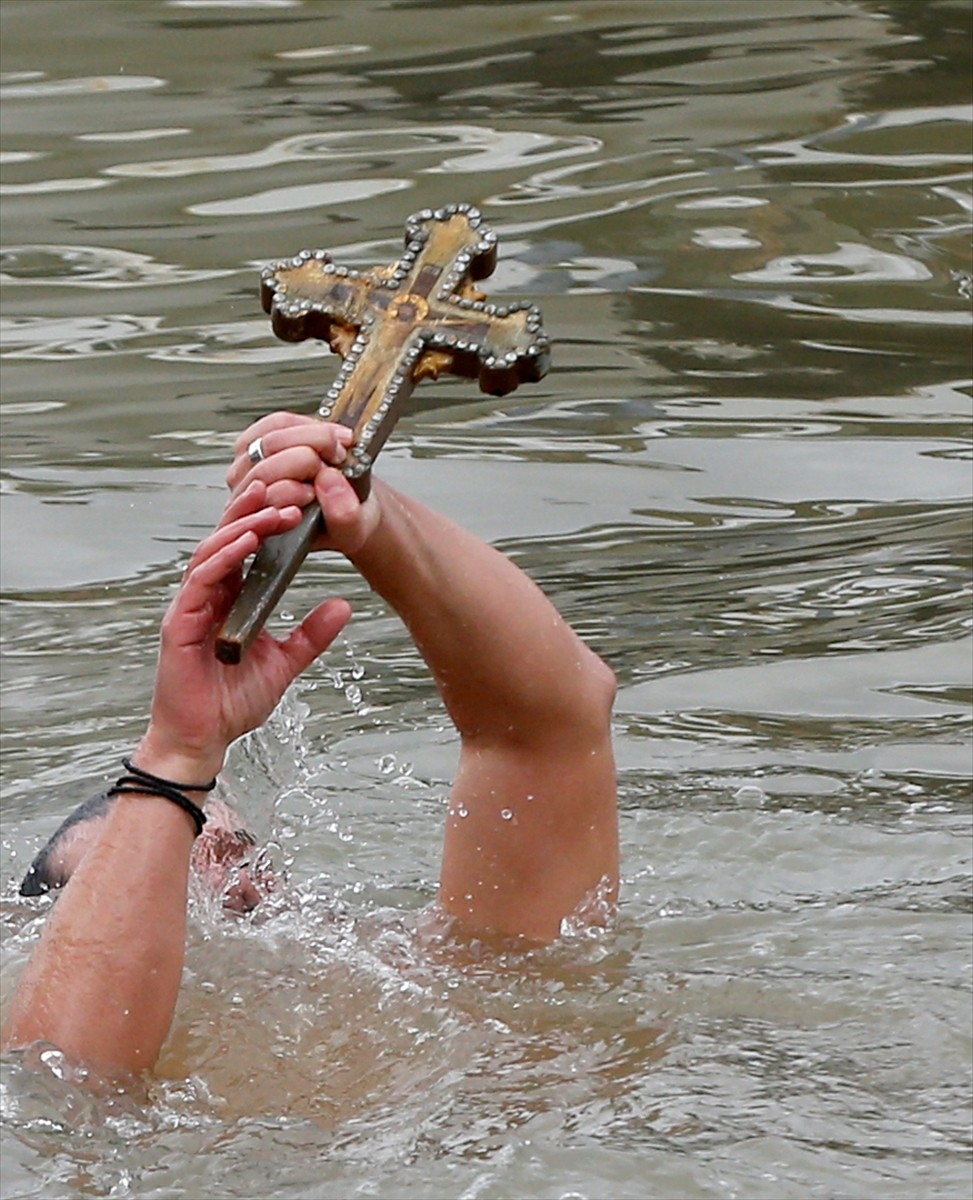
x,y
532,826
103,980
505,661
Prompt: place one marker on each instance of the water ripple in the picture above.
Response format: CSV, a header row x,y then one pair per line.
x,y
92,266
40,337
45,89
852,262
41,187
483,147
300,196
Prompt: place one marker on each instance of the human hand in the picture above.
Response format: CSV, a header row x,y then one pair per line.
x,y
200,705
301,464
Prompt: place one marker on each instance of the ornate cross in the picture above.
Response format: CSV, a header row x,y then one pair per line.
x,y
393,326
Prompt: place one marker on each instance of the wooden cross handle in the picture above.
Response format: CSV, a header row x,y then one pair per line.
x,y
393,326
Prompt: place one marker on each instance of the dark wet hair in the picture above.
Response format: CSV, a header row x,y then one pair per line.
x,y
43,874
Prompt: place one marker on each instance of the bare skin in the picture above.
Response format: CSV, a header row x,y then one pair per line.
x,y
224,859
532,823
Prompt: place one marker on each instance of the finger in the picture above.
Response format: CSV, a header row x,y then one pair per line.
x,y
220,553
298,462
315,634
327,439
338,499
249,511
205,595
217,564
256,495
192,612
286,492
301,463
274,420
231,525
249,500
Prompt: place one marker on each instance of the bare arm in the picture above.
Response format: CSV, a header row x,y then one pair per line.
x,y
532,821
103,980
532,826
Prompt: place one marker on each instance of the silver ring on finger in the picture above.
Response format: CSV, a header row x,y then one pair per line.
x,y
255,451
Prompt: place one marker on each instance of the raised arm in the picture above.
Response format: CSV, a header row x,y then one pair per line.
x,y
102,982
532,824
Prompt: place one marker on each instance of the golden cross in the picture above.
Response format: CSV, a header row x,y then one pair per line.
x,y
417,318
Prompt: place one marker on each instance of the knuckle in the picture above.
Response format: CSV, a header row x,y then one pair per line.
x,y
304,459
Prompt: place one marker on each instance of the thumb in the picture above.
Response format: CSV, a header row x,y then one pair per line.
x,y
315,634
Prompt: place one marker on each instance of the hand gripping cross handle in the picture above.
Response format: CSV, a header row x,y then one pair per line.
x,y
393,326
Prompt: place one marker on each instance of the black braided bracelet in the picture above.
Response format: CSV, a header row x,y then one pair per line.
x,y
150,778
128,785
144,783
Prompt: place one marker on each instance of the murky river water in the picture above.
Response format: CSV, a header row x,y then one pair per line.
x,y
747,481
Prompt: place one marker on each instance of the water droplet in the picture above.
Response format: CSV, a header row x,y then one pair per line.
x,y
54,1061
506,814
750,796
462,812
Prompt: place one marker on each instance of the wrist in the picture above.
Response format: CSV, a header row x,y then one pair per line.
x,y
383,518
187,764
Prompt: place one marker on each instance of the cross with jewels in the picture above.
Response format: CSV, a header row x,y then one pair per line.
x,y
393,326
415,319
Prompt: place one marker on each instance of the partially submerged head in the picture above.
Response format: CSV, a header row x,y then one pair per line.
x,y
222,854
59,859
225,859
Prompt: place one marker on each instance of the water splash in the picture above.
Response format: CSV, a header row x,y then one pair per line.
x,y
593,914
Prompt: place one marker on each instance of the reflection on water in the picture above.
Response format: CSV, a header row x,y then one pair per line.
x,y
91,266
747,481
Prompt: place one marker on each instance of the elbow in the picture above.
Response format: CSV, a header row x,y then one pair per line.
x,y
599,690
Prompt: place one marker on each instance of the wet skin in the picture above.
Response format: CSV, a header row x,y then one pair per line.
x,y
222,856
